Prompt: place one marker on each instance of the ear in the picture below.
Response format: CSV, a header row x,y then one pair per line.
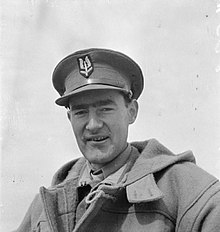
x,y
132,111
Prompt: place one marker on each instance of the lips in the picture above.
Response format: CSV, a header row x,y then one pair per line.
x,y
96,138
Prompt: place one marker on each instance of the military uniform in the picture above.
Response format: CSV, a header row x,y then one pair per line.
x,y
157,191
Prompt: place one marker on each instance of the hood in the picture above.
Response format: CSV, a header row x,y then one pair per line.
x,y
154,157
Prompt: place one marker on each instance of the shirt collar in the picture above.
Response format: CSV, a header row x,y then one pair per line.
x,y
115,164
107,170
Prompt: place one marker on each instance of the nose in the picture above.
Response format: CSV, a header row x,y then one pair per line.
x,y
94,123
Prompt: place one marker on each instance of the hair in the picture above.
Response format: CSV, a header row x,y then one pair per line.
x,y
127,98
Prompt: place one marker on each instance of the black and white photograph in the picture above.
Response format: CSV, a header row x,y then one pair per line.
x,y
110,116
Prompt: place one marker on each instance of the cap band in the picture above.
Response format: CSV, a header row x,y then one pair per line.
x,y
101,75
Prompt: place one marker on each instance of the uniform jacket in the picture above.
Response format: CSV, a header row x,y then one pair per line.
x,y
161,192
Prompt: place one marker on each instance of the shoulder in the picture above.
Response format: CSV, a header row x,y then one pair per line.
x,y
186,177
32,215
196,194
181,181
185,186
68,170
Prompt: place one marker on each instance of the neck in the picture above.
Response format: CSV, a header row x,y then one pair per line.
x,y
114,164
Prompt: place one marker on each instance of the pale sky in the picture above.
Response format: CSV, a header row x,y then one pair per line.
x,y
177,45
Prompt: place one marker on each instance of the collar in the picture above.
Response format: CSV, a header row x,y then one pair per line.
x,y
114,167
115,164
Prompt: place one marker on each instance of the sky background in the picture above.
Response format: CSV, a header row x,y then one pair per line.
x,y
175,42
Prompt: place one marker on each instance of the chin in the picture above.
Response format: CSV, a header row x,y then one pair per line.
x,y
100,156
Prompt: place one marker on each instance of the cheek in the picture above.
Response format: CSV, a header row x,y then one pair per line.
x,y
76,126
120,128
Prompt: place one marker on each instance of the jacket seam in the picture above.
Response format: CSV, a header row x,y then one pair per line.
x,y
66,208
194,202
204,206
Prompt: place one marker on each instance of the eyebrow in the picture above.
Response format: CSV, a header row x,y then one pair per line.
x,y
95,104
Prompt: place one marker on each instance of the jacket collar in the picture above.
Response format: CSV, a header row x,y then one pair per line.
x,y
140,183
154,157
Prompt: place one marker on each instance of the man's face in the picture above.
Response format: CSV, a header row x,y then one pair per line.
x,y
100,120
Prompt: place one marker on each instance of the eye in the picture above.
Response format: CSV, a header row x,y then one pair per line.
x,y
79,113
106,109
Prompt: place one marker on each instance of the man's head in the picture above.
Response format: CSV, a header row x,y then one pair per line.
x,y
100,88
100,120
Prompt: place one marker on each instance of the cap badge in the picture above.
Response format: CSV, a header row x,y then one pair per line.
x,y
85,66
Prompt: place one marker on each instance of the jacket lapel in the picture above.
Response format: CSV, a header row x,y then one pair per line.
x,y
59,205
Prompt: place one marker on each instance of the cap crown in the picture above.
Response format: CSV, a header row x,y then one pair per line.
x,y
96,69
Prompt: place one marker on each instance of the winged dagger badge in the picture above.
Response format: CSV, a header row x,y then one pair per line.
x,y
85,66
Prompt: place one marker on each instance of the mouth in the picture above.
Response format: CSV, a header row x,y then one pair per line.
x,y
97,139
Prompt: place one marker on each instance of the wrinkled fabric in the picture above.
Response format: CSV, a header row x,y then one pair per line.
x,y
160,192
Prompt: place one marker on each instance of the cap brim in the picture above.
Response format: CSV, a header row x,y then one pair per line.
x,y
64,100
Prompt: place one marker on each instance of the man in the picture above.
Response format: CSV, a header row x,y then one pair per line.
x,y
118,186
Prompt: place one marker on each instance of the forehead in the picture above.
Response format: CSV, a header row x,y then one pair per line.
x,y
96,96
